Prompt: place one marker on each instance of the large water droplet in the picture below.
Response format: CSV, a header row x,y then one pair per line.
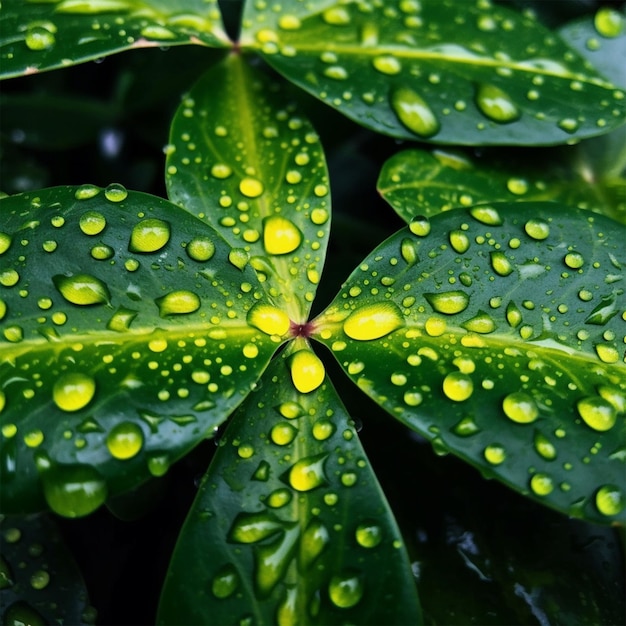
x,y
82,289
149,235
178,303
610,500
251,187
537,229
500,263
280,235
85,192
225,581
368,535
496,104
20,613
544,447
495,454
39,38
307,371
520,407
458,386
373,321
115,192
200,249
314,539
597,413
125,440
387,64
448,302
290,410
308,473
283,433
541,484
414,113
72,392
480,323
73,490
92,223
346,589
420,226
5,242
268,319
608,22
278,498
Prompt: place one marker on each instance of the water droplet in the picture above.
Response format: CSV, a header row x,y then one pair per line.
x,y
336,72
387,64
225,581
278,498
373,321
122,319
102,252
520,407
158,465
251,187
82,289
608,22
85,192
544,446
307,371
480,323
289,22
268,319
414,113
603,312
537,229
5,242
239,258
34,438
517,186
448,302
597,413
280,235
607,353
323,429
155,31
92,223
496,104
39,38
308,473
368,535
486,215
40,579
73,490
466,427
221,171
612,395
346,589
314,539
458,386
541,484
500,263
290,410
178,303
9,278
115,192
568,124
419,226
495,454
20,613
149,235
283,434
412,398
336,16
408,250
74,391
459,241
610,500
125,440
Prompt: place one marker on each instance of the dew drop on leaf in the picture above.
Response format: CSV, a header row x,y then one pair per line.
x,y
251,187
459,241
149,235
82,289
278,498
308,473
541,484
225,581
597,413
200,249
486,215
5,242
92,223
608,22
345,590
178,303
115,192
537,229
458,386
494,454
280,235
413,112
448,302
368,535
268,319
520,407
283,434
290,410
496,104
419,226
221,171
39,38
124,441
307,371
544,446
323,429
610,500
73,391
85,192
373,321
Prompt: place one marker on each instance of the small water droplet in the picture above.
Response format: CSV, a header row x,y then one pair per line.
x,y
458,386
268,319
5,242
314,539
251,187
85,192
74,391
408,250
40,579
568,124
82,289
494,454
323,429
336,16
92,223
278,498
520,407
541,484
368,534
610,500
125,440
102,252
373,321
387,64
149,235
419,226
178,303
597,413
486,215
308,473
239,257
280,235
290,410
225,581
20,613
9,278
39,38
608,22
496,104
283,433
345,590
517,186
289,22
115,192
500,263
221,171
480,323
414,112
448,302
307,371
459,241
200,249
466,427
544,447
537,229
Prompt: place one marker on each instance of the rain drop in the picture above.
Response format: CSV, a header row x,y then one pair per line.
x,y
225,581
458,386
149,235
608,22
307,371
82,289
500,263
520,407
251,187
597,413
92,223
200,249
74,391
268,319
495,454
85,192
39,38
178,303
308,473
283,433
541,484
115,192
280,235
368,535
496,104
373,321
486,215
419,226
414,113
610,500
125,440
387,64
448,302
345,590
537,229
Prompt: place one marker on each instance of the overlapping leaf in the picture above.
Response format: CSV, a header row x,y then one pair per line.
x,y
38,35
446,71
250,164
431,182
124,341
290,517
497,332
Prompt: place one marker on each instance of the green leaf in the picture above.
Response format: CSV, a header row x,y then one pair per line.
x,y
258,176
40,35
497,333
429,182
602,40
443,71
39,580
290,519
124,342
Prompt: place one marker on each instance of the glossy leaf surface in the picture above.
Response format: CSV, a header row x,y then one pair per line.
x,y
39,580
124,341
290,519
430,182
41,35
445,71
497,332
258,176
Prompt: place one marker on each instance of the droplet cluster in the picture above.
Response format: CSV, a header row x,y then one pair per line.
x,y
504,318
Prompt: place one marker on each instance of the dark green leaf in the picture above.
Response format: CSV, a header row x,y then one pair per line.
x,y
498,333
39,580
41,34
124,341
417,181
290,521
251,165
440,70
